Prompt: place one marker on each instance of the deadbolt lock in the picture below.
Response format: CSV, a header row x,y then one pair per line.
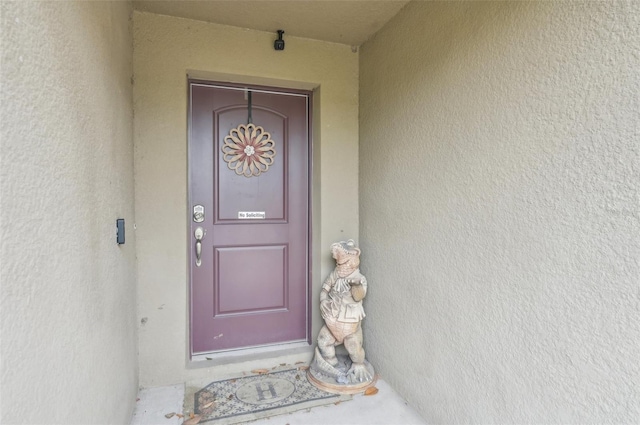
x,y
198,214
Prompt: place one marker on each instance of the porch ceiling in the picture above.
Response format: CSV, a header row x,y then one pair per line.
x,y
348,22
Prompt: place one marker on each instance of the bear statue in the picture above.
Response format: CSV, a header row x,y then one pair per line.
x,y
342,311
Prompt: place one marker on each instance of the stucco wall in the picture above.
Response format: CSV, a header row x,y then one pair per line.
x,y
68,291
166,49
499,210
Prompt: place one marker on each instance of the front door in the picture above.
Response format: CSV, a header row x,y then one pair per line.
x,y
249,215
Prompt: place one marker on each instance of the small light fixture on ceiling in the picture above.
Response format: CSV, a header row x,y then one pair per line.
x,y
279,43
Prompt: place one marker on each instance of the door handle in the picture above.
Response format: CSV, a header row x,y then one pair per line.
x,y
199,234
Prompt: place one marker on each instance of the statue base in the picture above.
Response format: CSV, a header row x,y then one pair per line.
x,y
333,379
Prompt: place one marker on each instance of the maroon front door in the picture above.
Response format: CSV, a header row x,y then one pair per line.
x,y
249,203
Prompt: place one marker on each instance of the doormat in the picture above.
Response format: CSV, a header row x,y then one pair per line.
x,y
248,398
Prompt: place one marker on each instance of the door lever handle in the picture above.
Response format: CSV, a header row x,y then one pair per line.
x,y
199,234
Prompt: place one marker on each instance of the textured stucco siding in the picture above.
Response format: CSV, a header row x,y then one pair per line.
x,y
166,50
68,294
499,210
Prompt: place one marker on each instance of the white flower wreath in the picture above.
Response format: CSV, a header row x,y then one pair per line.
x,y
248,150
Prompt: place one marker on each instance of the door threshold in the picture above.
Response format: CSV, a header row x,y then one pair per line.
x,y
242,355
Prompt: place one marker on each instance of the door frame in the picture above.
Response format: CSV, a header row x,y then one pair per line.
x,y
189,214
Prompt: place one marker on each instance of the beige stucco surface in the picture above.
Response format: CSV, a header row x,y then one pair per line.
x,y
166,49
499,210
345,22
68,296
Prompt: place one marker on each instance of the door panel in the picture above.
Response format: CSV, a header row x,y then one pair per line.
x,y
251,288
267,192
268,266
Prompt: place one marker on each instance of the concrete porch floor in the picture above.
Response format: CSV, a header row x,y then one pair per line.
x,y
384,408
